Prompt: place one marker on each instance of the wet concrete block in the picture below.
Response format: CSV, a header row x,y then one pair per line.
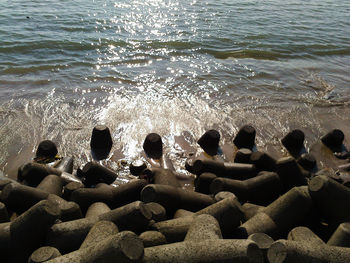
x,y
153,146
294,141
333,139
209,142
33,173
261,190
245,137
52,184
65,165
94,173
44,254
237,171
137,167
46,149
208,251
152,238
101,142
203,227
173,198
161,176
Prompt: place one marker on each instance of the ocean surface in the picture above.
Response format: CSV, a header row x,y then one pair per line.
x,y
176,67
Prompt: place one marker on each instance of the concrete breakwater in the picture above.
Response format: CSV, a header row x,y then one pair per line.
x,y
253,209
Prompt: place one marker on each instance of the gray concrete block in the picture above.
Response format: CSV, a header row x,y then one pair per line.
x,y
206,251
203,227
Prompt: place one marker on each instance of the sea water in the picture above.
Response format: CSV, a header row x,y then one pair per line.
x,y
175,67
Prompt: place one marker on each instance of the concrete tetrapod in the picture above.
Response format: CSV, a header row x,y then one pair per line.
x,y
68,189
245,137
286,251
34,173
68,236
223,195
97,209
158,211
227,212
152,238
52,184
278,218
161,176
341,236
65,165
262,161
304,234
182,213
330,199
95,173
28,231
205,251
203,181
237,171
100,231
4,217
261,190
69,210
173,198
123,247
289,173
44,254
263,241
249,210
243,155
203,227
112,196
20,198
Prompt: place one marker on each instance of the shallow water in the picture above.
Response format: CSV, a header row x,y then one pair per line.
x,y
176,68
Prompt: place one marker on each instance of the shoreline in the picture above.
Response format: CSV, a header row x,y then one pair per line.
x,y
244,204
